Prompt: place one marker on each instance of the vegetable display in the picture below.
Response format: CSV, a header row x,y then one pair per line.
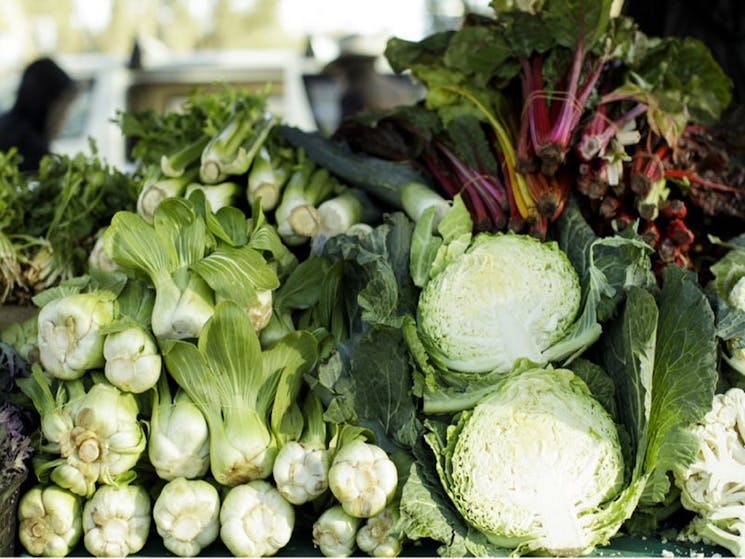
x,y
492,323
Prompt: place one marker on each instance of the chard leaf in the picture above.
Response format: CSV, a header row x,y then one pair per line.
x,y
525,33
472,145
684,71
403,54
478,50
570,20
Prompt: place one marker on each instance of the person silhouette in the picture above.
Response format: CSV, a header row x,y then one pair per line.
x,y
38,113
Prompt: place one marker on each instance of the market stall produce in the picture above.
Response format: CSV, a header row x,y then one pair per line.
x,y
427,334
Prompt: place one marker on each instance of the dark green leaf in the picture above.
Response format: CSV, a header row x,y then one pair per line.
x,y
369,383
479,51
686,75
685,377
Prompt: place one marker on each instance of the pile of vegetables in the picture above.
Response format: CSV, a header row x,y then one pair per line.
x,y
50,219
551,100
415,335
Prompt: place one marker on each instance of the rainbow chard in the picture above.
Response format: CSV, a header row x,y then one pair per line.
x,y
483,193
553,126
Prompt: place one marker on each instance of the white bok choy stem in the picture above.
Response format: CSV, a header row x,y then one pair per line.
x,y
234,148
70,334
157,188
382,535
362,477
266,178
178,443
175,164
234,384
349,207
98,259
335,531
49,521
133,361
116,521
302,466
297,215
217,195
255,520
187,516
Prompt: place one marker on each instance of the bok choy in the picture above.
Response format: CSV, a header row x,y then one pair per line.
x,y
234,382
90,436
178,443
188,268
70,337
164,251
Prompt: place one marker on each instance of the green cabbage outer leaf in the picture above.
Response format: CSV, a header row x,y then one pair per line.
x,y
508,297
533,461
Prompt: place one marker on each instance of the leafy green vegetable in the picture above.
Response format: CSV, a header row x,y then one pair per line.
x,y
49,219
661,358
368,379
234,383
688,77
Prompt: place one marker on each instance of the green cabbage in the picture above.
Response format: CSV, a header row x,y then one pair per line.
x,y
507,297
533,461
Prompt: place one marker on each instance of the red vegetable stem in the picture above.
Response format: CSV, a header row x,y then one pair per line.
x,y
695,178
679,233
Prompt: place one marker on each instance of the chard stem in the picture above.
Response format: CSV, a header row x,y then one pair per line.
x,y
524,204
698,179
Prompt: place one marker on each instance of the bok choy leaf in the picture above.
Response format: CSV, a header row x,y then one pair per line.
x,y
234,383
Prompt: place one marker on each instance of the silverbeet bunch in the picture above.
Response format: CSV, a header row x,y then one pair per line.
x,y
526,109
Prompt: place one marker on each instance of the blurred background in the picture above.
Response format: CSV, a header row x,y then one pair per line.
x,y
150,54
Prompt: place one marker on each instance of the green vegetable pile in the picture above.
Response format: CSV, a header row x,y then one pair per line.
x,y
284,342
50,219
